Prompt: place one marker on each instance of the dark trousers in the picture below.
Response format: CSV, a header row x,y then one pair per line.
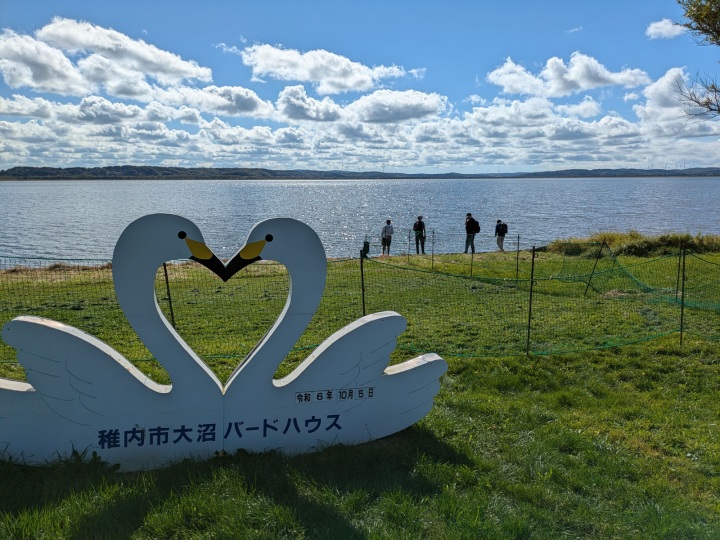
x,y
419,243
470,242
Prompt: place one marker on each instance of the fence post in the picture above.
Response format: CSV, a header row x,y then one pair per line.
x,y
594,267
677,281
167,288
517,261
532,282
432,251
409,244
362,282
472,256
682,297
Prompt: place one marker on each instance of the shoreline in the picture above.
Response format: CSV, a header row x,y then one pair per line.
x,y
122,173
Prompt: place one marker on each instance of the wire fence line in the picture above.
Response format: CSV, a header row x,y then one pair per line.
x,y
527,302
438,242
545,306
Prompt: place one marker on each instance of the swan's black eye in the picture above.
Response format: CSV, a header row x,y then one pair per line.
x,y
268,238
182,235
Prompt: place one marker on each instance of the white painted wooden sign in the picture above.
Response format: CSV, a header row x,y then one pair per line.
x,y
82,395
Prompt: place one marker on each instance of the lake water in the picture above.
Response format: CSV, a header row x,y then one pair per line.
x,y
83,219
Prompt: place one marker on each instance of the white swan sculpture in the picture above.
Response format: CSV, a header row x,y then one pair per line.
x,y
83,395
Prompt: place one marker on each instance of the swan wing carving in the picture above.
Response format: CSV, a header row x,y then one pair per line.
x,y
354,356
77,376
414,385
357,356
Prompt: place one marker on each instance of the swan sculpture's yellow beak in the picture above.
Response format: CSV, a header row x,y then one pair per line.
x,y
252,250
199,250
205,256
247,255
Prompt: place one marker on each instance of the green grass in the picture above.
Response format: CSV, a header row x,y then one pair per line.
x,y
619,442
635,244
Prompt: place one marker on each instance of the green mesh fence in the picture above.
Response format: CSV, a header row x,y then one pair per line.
x,y
701,297
490,304
578,299
220,321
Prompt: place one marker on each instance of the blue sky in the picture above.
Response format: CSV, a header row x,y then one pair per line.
x,y
399,86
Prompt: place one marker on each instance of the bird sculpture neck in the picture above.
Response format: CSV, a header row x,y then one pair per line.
x,y
307,283
135,289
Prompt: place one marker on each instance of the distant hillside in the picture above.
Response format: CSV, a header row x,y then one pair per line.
x,y
622,173
132,172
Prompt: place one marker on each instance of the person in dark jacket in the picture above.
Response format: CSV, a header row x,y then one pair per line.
x,y
472,227
501,230
419,229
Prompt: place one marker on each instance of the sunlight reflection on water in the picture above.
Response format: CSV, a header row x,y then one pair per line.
x,y
83,219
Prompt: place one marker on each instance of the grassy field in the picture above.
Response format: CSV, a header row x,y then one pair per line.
x,y
620,442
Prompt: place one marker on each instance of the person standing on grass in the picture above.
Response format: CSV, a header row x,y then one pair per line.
x,y
501,230
419,229
472,227
386,237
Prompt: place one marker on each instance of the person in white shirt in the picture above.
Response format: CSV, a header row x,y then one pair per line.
x,y
386,237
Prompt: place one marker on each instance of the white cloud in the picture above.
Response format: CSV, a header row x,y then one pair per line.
x,y
664,29
328,72
476,100
587,108
661,100
27,132
355,132
515,79
387,106
558,79
236,100
294,103
98,110
430,133
380,107
110,62
28,63
569,130
22,106
132,54
504,115
116,78
222,100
